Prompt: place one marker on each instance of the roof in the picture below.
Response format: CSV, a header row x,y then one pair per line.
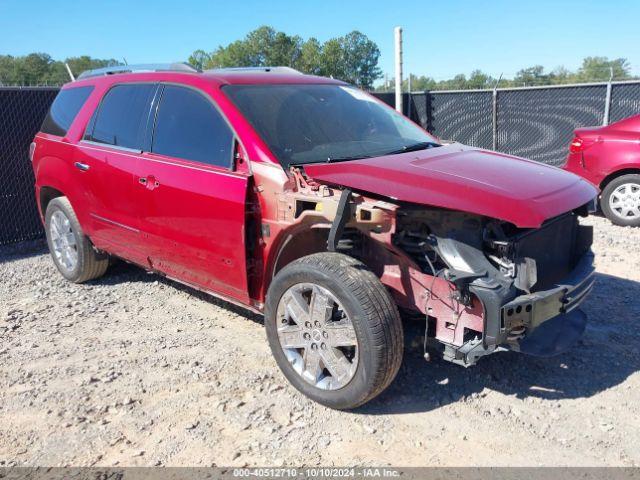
x,y
252,77
219,77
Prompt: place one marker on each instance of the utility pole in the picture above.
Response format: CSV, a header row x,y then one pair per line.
x,y
607,100
398,39
73,79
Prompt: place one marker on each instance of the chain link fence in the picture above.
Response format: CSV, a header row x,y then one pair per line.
x,y
453,116
625,101
539,123
535,123
531,122
21,113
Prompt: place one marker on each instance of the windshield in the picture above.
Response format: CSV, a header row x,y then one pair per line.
x,y
325,123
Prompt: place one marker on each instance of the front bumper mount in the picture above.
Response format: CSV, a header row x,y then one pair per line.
x,y
543,323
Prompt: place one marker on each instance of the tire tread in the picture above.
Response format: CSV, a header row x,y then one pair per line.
x,y
381,314
94,264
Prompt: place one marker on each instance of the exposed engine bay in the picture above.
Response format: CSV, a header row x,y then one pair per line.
x,y
480,284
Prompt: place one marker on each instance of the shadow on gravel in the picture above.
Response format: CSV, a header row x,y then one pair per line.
x,y
26,249
605,356
121,271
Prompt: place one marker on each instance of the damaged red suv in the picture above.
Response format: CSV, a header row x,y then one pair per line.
x,y
308,200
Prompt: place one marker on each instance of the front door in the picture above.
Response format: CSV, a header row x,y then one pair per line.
x,y
191,204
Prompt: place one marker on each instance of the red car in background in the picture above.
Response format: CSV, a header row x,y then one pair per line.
x,y
609,157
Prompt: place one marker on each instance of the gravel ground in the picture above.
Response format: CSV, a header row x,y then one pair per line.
x,y
133,369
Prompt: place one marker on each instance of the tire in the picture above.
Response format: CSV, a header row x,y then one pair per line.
x,y
61,221
359,301
632,184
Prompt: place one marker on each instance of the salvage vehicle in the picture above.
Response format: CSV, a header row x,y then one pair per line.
x,y
609,157
309,201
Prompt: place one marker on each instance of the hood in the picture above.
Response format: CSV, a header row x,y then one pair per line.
x,y
458,177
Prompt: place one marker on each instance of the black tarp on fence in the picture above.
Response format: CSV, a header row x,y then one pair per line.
x,y
535,123
21,113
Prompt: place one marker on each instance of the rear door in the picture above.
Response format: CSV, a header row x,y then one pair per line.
x,y
191,202
106,160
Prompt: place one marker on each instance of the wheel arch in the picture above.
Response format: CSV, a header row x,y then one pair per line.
x,y
45,196
305,240
618,173
297,243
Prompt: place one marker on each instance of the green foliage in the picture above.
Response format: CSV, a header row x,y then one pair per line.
x,y
532,76
601,68
593,69
41,69
352,58
199,59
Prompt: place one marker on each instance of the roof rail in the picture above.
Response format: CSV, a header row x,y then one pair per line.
x,y
255,70
149,67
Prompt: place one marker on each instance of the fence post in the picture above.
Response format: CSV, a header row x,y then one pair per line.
x,y
495,119
409,97
495,113
607,101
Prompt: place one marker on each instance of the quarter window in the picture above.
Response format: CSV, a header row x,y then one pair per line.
x,y
188,126
122,118
64,110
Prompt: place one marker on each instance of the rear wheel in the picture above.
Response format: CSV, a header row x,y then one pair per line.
x,y
621,200
333,329
72,252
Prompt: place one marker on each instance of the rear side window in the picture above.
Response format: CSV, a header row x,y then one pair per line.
x,y
122,116
64,110
188,126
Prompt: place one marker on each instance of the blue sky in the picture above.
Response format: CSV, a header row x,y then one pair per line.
x,y
440,38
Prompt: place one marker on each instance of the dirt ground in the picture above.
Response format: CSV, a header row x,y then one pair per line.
x,y
133,369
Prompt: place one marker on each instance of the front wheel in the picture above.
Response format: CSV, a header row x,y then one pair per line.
x,y
333,329
620,201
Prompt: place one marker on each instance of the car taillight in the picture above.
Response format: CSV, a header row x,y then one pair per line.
x,y
578,144
32,150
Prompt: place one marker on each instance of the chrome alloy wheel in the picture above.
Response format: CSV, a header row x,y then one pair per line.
x,y
624,201
65,248
317,336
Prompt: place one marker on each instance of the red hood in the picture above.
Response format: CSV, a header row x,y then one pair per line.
x,y
458,177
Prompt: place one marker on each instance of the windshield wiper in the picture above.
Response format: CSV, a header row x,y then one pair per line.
x,y
414,148
347,158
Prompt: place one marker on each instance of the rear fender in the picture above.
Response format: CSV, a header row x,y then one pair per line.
x,y
57,173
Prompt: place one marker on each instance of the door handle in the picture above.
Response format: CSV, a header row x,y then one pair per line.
x,y
81,166
150,182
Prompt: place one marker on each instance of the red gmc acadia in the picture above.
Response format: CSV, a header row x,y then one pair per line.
x,y
308,200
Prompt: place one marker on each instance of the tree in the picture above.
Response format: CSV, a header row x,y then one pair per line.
x,y
601,68
459,82
199,59
84,62
7,70
421,83
562,75
353,57
260,48
40,68
310,60
531,76
480,80
358,63
33,69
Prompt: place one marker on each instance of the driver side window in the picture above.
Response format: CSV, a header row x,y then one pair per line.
x,y
188,126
